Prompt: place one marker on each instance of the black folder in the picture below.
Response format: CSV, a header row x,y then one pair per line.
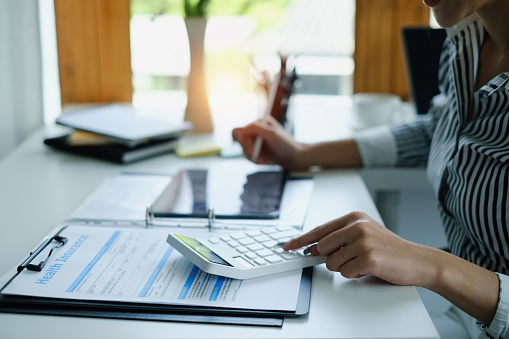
x,y
116,152
157,312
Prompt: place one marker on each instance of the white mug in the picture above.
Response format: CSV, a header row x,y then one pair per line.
x,y
374,109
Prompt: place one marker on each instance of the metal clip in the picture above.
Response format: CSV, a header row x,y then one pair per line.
x,y
211,216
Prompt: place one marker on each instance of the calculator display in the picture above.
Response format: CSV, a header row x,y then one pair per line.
x,y
203,250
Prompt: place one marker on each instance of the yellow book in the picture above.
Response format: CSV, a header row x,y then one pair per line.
x,y
84,138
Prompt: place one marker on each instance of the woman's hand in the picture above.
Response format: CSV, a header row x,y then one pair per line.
x,y
356,245
278,146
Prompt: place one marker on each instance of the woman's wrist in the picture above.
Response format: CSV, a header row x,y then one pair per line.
x,y
433,267
470,287
341,153
305,156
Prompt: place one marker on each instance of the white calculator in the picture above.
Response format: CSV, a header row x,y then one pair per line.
x,y
244,255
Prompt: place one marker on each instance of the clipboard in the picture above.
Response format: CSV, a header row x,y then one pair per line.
x,y
111,310
140,311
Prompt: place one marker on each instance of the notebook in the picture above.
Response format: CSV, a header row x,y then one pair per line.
x,y
124,125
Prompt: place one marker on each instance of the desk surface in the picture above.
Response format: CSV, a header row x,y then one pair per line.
x,y
40,188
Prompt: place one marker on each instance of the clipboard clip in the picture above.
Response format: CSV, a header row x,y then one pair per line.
x,y
61,241
210,223
211,217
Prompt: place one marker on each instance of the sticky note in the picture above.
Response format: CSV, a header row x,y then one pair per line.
x,y
197,148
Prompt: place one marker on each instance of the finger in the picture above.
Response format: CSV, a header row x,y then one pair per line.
x,y
247,144
254,129
335,240
235,133
250,131
356,268
271,121
321,231
340,257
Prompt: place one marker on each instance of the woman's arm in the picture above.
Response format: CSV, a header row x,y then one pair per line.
x,y
473,289
280,148
356,245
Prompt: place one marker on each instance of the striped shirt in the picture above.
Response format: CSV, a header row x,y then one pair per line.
x,y
464,143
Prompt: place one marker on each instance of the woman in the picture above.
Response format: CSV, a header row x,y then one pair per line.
x,y
464,141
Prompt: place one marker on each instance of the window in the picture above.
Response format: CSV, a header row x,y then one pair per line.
x,y
241,34
95,63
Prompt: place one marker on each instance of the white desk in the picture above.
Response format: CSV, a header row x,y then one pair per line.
x,y
39,188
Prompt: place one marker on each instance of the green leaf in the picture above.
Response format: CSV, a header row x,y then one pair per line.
x,y
196,9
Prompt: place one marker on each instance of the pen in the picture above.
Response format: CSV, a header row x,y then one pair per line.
x,y
270,104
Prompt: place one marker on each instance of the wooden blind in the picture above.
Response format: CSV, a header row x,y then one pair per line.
x,y
378,54
94,54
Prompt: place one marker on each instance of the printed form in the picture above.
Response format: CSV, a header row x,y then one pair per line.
x,y
137,265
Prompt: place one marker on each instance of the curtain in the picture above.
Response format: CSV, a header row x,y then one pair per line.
x,y
21,98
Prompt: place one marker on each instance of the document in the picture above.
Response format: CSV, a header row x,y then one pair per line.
x,y
124,197
137,265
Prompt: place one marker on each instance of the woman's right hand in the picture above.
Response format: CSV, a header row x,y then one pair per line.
x,y
278,146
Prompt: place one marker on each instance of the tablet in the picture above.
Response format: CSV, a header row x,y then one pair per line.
x,y
229,193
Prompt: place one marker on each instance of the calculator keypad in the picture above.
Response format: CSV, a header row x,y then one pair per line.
x,y
256,247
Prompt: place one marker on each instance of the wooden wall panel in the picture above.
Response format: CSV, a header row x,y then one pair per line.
x,y
94,50
378,55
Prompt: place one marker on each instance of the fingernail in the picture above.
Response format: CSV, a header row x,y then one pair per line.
x,y
307,250
280,244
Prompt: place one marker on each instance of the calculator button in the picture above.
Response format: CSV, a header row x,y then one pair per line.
x,y
284,228
241,249
225,238
278,249
270,243
233,243
273,259
261,238
286,234
290,256
264,253
243,262
246,241
215,240
238,236
268,230
255,247
253,233
251,255
260,261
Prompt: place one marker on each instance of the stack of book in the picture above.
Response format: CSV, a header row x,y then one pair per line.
x,y
117,134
